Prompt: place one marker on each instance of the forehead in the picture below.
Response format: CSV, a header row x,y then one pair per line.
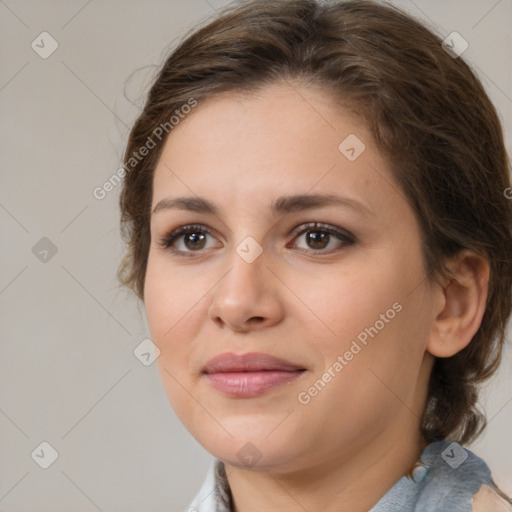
x,y
282,138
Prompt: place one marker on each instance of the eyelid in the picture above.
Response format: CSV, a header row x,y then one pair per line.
x,y
170,237
321,226
344,236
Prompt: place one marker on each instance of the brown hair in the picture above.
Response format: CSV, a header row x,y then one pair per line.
x,y
428,113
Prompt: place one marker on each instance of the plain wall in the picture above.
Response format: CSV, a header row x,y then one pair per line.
x,y
68,373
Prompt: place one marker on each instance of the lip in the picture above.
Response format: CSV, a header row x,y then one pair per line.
x,y
251,374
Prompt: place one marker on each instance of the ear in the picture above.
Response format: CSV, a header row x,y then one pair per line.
x,y
461,307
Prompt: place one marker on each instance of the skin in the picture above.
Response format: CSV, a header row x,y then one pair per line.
x,y
345,448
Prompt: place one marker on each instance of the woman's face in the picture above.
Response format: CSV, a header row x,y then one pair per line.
x,y
346,303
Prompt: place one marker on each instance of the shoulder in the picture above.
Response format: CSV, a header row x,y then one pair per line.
x,y
456,479
452,466
488,500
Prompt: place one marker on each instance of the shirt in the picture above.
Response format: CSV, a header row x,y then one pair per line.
x,y
445,480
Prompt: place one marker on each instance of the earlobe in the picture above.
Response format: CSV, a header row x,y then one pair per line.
x,y
462,305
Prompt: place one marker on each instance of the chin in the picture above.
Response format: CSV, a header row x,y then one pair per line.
x,y
252,443
254,454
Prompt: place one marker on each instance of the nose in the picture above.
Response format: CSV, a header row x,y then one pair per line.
x,y
247,298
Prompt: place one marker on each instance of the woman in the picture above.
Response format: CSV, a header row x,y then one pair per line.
x,y
317,221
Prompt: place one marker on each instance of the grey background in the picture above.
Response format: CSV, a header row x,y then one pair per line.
x,y
68,375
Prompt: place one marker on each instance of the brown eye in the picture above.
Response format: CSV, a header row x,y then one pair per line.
x,y
319,237
187,240
194,240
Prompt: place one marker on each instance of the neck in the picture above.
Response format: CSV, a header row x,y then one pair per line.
x,y
354,482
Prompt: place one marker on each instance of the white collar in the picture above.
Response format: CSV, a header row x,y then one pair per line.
x,y
215,494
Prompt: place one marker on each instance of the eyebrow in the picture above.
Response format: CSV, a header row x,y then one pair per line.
x,y
283,204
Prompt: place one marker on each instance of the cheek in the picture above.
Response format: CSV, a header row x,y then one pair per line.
x,y
170,298
364,384
379,323
352,303
381,364
170,305
170,310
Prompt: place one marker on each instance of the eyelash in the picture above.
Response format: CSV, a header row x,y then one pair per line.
x,y
345,237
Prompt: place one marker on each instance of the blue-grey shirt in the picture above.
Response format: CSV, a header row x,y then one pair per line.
x,y
446,480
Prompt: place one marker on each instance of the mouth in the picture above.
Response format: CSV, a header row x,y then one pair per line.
x,y
249,375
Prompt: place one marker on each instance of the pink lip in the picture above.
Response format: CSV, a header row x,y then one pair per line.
x,y
249,375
